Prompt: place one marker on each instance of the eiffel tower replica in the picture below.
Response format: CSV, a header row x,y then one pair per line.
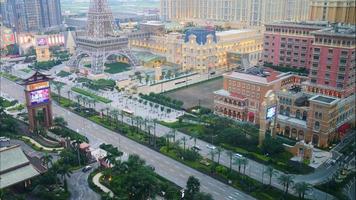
x,y
100,40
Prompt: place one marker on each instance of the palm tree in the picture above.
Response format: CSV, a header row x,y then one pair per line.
x,y
238,162
154,131
59,121
212,154
78,97
115,114
64,171
244,163
77,145
301,188
270,172
174,133
230,154
194,136
69,94
58,86
184,140
286,180
46,159
219,150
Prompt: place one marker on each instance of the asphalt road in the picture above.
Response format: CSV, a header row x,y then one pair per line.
x,y
165,166
78,186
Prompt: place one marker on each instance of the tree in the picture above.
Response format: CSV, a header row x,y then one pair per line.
x,y
194,136
184,140
64,171
59,121
174,133
230,154
58,86
69,94
212,154
286,180
301,188
46,159
193,186
238,162
244,163
270,172
218,151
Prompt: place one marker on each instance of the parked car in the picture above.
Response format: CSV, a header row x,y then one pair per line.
x,y
237,155
87,168
209,146
196,148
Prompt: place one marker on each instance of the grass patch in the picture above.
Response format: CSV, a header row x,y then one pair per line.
x,y
117,67
91,95
63,74
9,76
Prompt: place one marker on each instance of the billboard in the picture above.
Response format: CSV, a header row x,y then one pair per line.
x,y
39,96
37,86
271,112
41,42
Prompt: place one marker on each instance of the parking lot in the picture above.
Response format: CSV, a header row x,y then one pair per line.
x,y
202,92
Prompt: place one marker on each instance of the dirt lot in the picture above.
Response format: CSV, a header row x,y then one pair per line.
x,y
202,91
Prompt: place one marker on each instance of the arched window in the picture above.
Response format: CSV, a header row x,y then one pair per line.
x,y
294,133
297,114
305,114
281,109
287,111
286,131
300,135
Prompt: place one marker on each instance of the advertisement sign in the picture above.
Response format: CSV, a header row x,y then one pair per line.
x,y
39,96
41,41
37,86
271,112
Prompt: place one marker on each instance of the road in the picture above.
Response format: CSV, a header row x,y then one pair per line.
x,y
165,166
78,185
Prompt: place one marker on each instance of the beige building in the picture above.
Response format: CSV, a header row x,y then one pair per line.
x,y
343,11
255,13
191,54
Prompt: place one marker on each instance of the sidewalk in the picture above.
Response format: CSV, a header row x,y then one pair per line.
x,y
96,181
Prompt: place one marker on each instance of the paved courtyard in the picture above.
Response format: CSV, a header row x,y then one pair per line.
x,y
201,91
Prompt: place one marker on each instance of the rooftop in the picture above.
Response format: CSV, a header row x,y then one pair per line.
x,y
258,75
324,99
233,32
338,30
15,166
303,24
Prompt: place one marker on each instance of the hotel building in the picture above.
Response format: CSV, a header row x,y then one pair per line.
x,y
280,103
289,44
328,52
332,70
203,49
254,13
340,11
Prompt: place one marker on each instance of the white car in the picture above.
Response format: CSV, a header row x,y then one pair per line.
x,y
209,146
237,155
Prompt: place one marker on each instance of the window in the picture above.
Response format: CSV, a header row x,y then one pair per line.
x,y
317,125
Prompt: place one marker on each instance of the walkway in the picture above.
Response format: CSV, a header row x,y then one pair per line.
x,y
96,181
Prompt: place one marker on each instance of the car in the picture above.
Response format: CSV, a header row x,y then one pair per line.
x,y
87,168
196,148
209,146
237,155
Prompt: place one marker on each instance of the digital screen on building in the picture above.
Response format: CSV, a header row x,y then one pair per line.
x,y
39,96
41,42
271,112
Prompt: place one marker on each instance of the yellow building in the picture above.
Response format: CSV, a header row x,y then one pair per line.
x,y
255,13
342,11
204,49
